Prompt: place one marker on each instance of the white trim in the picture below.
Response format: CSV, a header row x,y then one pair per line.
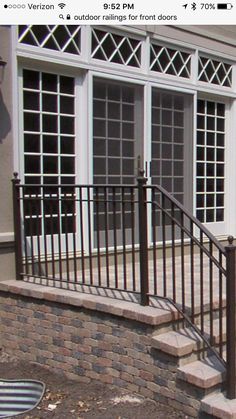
x,y
215,90
20,136
173,88
230,169
194,157
148,127
85,42
15,104
90,126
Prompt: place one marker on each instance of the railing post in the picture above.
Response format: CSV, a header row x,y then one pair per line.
x,y
143,243
230,321
17,226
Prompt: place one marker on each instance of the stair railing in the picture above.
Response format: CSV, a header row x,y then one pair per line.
x,y
201,281
178,257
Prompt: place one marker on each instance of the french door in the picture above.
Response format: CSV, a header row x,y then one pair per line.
x,y
118,140
49,150
117,151
171,152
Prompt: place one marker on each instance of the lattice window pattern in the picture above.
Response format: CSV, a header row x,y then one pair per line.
x,y
210,161
115,48
64,38
168,126
170,61
214,71
114,146
49,148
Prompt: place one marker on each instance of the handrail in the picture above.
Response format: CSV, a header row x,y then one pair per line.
x,y
196,241
190,216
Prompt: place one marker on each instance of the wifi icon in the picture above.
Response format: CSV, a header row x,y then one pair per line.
x,y
61,5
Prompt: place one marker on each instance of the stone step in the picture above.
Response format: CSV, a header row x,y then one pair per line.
x,y
178,343
206,373
217,405
185,341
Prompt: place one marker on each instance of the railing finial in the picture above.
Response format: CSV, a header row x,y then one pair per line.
x,y
141,172
230,240
15,179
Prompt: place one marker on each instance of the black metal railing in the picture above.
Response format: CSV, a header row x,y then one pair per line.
x,y
132,238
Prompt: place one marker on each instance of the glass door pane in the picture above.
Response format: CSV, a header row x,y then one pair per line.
x,y
171,148
117,143
210,162
49,158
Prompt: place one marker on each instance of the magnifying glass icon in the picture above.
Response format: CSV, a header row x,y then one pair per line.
x,y
61,17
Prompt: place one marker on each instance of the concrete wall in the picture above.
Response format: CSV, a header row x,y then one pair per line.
x,y
6,159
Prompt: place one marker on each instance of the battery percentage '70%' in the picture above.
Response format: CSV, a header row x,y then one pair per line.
x,y
208,6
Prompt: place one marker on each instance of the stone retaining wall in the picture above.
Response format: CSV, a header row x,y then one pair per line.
x,y
91,343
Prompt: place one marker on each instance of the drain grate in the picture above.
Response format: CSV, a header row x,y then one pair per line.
x,y
19,396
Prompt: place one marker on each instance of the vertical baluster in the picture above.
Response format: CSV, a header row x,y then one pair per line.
x,y
31,233
106,197
52,236
164,244
154,213
220,307
124,237
38,229
201,283
211,292
173,251
74,228
81,215
98,234
182,262
66,228
192,273
25,207
132,194
90,236
44,234
58,207
115,234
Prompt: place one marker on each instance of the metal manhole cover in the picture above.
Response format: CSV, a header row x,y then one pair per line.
x,y
19,396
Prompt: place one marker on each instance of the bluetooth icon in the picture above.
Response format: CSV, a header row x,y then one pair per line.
x,y
193,6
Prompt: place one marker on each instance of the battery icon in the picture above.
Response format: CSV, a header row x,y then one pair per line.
x,y
224,6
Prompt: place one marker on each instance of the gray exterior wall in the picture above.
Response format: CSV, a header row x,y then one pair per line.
x,y
219,38
6,160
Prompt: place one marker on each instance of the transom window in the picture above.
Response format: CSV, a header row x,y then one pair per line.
x,y
170,61
210,160
49,142
115,48
214,71
65,38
